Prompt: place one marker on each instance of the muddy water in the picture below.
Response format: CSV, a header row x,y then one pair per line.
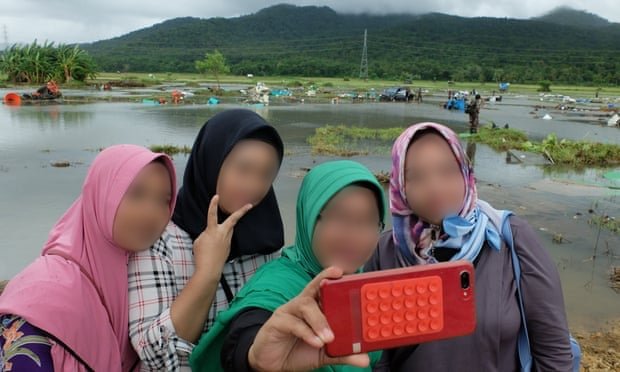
x,y
34,194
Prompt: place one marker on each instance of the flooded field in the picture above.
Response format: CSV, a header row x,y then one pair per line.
x,y
559,203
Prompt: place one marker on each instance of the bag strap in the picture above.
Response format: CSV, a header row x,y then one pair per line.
x,y
523,343
227,291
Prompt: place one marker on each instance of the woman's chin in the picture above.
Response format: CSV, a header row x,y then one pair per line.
x,y
348,269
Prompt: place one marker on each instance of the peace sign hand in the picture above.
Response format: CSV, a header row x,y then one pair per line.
x,y
212,247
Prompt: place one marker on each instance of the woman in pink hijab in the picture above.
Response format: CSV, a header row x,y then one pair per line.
x,y
68,310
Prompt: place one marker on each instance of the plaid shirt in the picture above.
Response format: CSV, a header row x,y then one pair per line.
x,y
156,277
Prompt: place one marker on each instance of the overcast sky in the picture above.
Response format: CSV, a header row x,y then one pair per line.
x,y
87,20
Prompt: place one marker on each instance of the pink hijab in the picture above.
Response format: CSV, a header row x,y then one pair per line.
x,y
77,289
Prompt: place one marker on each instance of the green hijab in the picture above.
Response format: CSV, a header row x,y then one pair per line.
x,y
280,280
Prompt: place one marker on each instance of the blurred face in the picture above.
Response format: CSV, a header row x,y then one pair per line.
x,y
247,174
144,211
434,184
347,231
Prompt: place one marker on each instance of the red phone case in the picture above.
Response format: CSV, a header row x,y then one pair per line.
x,y
391,308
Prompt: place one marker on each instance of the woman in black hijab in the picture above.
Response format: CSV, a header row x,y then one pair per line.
x,y
260,230
225,225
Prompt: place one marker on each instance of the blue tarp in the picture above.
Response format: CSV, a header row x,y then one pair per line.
x,y
213,101
504,86
148,101
456,104
583,100
281,93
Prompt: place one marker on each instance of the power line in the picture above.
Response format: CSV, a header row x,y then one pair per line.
x,y
364,64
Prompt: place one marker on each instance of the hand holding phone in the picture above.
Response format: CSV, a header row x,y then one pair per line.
x,y
399,307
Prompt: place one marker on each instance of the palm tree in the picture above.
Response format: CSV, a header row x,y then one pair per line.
x,y
37,63
74,63
9,63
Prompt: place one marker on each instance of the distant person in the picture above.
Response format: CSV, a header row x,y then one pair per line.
x,y
474,113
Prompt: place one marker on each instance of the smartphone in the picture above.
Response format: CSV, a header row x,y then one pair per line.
x,y
392,308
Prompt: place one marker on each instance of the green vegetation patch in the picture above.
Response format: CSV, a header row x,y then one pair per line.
x,y
341,140
171,149
559,151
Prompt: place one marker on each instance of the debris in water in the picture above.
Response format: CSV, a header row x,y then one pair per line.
x,y
60,164
547,117
613,176
607,222
559,239
383,177
614,121
528,158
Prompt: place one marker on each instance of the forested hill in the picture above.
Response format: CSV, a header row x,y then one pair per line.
x,y
317,41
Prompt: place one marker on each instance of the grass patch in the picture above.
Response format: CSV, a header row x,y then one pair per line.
x,y
561,152
500,139
341,140
171,149
614,277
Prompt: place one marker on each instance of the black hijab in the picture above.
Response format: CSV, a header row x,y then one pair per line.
x,y
260,231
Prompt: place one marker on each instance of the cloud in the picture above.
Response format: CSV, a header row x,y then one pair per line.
x,y
83,21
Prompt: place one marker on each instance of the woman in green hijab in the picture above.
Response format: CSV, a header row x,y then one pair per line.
x,y
275,322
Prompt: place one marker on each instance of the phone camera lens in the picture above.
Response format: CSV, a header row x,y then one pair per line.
x,y
464,280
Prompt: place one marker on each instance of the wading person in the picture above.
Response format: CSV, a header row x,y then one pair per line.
x,y
473,109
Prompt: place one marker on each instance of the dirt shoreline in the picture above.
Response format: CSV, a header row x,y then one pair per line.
x,y
601,349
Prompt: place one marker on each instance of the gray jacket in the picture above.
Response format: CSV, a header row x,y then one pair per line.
x,y
493,345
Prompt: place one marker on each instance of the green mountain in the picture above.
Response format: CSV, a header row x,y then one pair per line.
x,y
317,41
570,17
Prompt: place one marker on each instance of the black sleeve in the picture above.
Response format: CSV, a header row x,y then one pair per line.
x,y
241,334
